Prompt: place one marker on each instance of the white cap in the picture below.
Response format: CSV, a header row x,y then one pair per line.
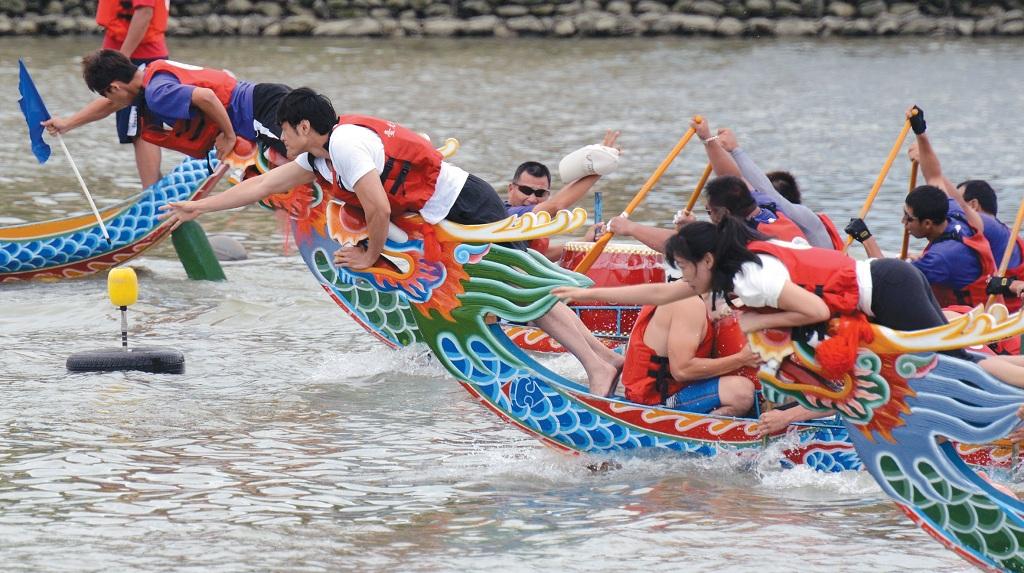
x,y
588,160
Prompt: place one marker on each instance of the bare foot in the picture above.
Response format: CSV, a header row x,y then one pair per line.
x,y
602,381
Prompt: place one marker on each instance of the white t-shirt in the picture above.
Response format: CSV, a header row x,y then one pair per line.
x,y
761,285
356,151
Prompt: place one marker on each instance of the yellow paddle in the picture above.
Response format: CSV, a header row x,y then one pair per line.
x,y
1008,251
601,243
881,176
906,234
697,190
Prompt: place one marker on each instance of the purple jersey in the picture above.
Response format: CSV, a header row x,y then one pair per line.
x,y
949,262
170,100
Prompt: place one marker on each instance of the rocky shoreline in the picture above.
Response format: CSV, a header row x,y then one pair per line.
x,y
541,18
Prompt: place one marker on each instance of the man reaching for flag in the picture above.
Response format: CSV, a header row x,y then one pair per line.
x,y
182,107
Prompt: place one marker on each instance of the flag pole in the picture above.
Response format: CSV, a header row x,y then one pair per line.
x,y
85,189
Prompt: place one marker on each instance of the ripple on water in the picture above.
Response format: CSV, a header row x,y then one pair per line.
x,y
295,442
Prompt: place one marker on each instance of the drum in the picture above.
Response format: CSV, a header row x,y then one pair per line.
x,y
619,264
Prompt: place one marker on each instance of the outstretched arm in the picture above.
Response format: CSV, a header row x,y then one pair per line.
x,y
721,162
276,180
95,110
803,216
657,294
654,237
932,169
571,193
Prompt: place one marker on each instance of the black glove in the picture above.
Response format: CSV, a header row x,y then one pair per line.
x,y
917,121
858,230
999,286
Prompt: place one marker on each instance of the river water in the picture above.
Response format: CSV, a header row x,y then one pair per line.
x,y
296,442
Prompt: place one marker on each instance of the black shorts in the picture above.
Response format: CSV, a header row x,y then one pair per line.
x,y
478,203
127,118
265,99
902,299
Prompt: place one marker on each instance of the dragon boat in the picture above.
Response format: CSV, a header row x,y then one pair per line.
x,y
902,407
442,304
74,246
906,412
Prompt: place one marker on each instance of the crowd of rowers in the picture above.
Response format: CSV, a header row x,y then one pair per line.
x,y
761,247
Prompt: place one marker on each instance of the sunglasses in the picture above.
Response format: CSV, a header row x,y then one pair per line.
x,y
526,190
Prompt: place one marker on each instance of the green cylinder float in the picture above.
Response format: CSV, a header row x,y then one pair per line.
x,y
195,253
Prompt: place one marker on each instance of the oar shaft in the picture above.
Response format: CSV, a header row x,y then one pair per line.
x,y
88,196
700,187
599,246
906,234
881,176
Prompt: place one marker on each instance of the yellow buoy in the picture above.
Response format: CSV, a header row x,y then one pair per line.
x,y
123,286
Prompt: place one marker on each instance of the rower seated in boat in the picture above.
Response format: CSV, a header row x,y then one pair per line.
x,y
672,359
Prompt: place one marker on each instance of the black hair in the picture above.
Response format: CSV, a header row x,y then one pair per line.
x,y
104,67
983,193
928,202
727,242
305,104
785,184
533,168
732,194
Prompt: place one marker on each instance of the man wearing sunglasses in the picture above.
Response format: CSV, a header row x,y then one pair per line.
x,y
958,259
530,189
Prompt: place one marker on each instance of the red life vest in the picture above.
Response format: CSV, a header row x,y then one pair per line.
x,y
645,375
833,234
116,16
829,274
194,136
783,228
411,165
974,293
541,245
730,339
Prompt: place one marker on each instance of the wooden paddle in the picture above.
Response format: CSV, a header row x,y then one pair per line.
x,y
1008,251
881,176
906,234
697,190
602,242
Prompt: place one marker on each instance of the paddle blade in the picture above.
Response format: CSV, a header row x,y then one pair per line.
x,y
34,109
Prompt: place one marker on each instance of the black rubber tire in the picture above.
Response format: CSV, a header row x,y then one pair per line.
x,y
157,360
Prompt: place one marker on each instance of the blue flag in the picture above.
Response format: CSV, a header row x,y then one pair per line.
x,y
35,113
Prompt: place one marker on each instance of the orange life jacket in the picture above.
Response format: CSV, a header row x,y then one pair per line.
x,y
540,245
194,136
411,165
783,228
974,293
829,274
833,234
730,339
116,15
647,376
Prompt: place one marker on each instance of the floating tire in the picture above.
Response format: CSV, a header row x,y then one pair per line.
x,y
153,359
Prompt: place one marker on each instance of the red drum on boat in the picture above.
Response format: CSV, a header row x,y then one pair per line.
x,y
619,264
